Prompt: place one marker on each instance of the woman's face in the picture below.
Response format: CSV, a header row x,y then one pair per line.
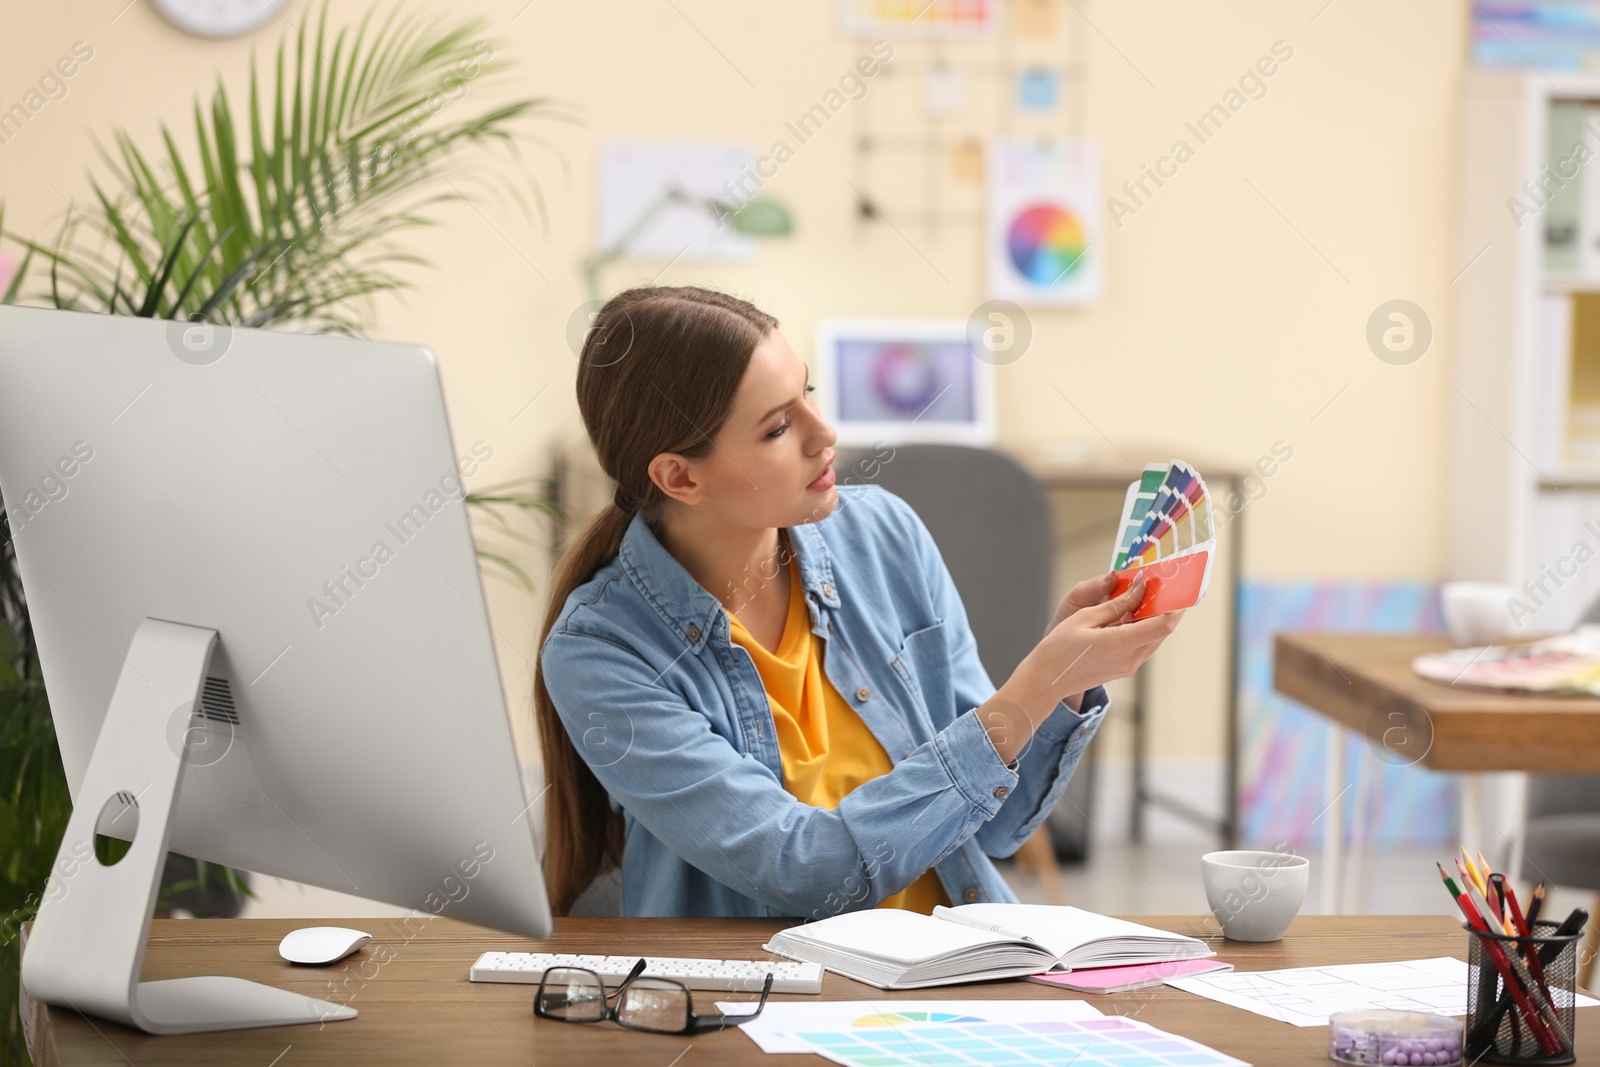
x,y
771,464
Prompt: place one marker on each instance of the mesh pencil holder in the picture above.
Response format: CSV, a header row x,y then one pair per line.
x,y
1529,1019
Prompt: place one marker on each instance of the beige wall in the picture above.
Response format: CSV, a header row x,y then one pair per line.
x,y
1243,286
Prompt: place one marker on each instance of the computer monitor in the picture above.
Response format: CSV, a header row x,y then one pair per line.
x,y
259,616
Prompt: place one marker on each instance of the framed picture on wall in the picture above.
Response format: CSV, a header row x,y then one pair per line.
x,y
1045,245
903,381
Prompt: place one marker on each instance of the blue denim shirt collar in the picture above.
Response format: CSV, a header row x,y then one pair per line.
x,y
685,604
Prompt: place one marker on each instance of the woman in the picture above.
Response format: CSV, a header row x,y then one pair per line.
x,y
758,692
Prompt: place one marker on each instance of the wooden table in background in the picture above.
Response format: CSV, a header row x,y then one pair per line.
x,y
420,1008
1364,682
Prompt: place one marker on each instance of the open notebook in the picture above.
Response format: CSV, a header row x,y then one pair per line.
x,y
895,949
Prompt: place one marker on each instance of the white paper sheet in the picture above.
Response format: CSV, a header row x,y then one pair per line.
x,y
1306,996
633,175
771,1030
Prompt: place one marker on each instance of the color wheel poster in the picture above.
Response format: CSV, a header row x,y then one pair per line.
x,y
1045,244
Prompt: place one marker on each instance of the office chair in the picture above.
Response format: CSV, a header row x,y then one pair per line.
x,y
992,523
1561,843
601,899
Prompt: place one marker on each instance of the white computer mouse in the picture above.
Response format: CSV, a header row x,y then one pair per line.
x,y
321,944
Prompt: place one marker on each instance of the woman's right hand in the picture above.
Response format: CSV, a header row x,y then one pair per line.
x,y
1089,647
1093,646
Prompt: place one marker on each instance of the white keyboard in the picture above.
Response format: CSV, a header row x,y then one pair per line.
x,y
742,976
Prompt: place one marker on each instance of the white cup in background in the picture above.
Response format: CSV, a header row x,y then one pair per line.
x,y
1254,895
1476,613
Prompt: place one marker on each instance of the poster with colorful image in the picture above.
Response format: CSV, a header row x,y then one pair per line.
x,y
1541,35
1045,244
919,18
1283,745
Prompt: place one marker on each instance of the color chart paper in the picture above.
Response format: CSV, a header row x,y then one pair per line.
x,y
1108,1042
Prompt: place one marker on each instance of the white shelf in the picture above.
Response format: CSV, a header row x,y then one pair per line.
x,y
1555,284
1566,479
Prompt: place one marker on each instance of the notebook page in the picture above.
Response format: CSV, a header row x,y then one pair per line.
x,y
1057,928
892,934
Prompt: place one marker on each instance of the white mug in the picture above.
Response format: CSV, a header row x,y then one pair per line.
x,y
1476,613
1254,895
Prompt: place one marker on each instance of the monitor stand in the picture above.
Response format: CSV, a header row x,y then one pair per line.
x,y
87,944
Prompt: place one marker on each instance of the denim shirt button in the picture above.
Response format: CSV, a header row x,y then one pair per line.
x,y
827,589
694,633
971,894
863,693
1001,792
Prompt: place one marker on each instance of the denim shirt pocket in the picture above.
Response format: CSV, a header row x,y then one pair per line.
x,y
917,662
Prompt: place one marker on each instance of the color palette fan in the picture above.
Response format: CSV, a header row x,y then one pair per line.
x,y
1167,536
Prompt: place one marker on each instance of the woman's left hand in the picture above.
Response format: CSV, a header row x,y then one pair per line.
x,y
1086,594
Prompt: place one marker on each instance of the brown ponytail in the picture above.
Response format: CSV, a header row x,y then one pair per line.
x,y
657,373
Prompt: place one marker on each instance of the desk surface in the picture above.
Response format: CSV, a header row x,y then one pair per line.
x,y
420,1008
1363,681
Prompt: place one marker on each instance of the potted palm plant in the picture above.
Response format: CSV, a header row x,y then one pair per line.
x,y
287,213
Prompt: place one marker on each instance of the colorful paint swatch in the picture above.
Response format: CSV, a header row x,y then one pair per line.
x,y
1135,510
900,1018
1175,519
1114,1040
918,18
1167,537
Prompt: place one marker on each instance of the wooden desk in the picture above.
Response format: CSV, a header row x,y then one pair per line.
x,y
1364,683
1350,677
420,1008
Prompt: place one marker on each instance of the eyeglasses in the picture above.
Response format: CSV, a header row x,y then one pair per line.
x,y
655,1005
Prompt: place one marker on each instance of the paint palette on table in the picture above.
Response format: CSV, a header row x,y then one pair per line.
x,y
1166,535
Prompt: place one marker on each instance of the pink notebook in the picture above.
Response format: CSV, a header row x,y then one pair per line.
x,y
1122,979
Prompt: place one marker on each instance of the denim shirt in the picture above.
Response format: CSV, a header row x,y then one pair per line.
x,y
674,721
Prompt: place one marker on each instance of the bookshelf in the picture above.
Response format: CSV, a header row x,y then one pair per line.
x,y
1525,387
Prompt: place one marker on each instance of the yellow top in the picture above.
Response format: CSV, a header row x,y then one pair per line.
x,y
825,747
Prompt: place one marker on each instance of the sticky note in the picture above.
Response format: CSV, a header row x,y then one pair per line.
x,y
945,89
1038,89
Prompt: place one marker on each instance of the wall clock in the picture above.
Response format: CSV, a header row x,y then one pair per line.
x,y
218,18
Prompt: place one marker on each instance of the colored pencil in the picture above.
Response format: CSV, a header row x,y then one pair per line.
x,y
1479,904
1472,872
1525,930
1536,903
1517,919
1497,885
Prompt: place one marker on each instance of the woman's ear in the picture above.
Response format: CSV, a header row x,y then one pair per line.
x,y
677,478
